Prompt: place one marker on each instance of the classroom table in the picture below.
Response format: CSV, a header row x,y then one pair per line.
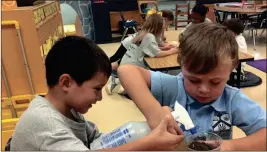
x,y
239,10
170,63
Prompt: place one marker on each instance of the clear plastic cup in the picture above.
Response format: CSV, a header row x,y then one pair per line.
x,y
207,139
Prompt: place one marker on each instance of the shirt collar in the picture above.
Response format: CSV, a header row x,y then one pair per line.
x,y
218,104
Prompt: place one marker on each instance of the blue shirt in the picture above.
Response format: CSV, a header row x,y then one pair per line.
x,y
232,108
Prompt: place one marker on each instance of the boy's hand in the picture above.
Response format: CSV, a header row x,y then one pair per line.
x,y
166,47
170,46
174,50
173,127
226,146
161,139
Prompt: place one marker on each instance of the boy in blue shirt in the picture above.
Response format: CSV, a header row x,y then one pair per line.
x,y
207,55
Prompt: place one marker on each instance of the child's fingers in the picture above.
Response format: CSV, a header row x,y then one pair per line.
x,y
179,139
176,139
164,123
172,125
178,130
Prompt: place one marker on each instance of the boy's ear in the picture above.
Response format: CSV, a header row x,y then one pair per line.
x,y
65,81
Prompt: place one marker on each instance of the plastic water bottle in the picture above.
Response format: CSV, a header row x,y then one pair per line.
x,y
132,131
127,133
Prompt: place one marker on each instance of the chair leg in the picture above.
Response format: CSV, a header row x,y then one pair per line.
x,y
175,24
113,83
262,31
135,30
124,33
246,25
254,38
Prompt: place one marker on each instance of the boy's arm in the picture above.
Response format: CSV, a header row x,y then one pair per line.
x,y
137,82
251,118
253,142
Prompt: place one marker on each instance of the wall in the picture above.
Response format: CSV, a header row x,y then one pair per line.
x,y
84,11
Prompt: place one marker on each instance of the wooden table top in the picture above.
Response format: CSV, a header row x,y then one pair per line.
x,y
170,62
245,57
162,63
240,10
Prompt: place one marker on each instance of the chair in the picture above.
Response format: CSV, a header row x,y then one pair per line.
x,y
8,127
142,11
179,12
127,24
218,17
261,23
8,110
21,103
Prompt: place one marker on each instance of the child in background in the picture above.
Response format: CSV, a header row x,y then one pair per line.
x,y
207,55
168,17
146,42
168,20
116,58
76,71
126,43
237,27
198,15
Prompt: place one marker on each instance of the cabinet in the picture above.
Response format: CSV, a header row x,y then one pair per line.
x,y
40,26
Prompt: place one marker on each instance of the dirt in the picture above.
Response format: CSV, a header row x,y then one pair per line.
x,y
200,146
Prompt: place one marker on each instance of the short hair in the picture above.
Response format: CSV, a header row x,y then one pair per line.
x,y
77,56
200,9
235,25
204,45
167,14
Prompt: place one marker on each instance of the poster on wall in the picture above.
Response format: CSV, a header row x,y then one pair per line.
x,y
45,48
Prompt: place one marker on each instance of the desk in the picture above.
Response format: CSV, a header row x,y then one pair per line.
x,y
162,63
235,10
170,63
240,10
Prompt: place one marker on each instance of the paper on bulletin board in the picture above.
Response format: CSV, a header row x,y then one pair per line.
x,y
57,7
60,30
35,17
55,38
49,43
42,51
42,13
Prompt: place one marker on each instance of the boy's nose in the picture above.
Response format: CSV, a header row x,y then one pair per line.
x,y
203,89
99,96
